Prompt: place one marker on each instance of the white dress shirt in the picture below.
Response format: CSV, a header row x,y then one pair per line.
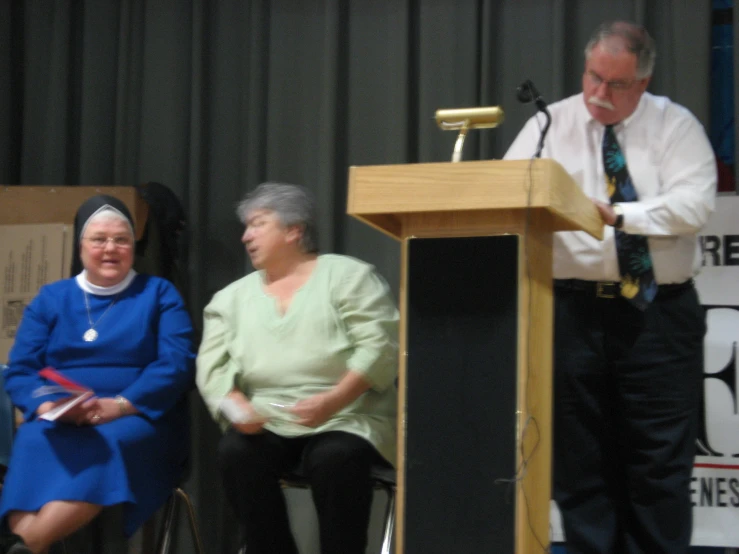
x,y
673,169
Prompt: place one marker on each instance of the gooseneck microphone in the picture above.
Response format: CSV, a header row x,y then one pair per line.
x,y
527,93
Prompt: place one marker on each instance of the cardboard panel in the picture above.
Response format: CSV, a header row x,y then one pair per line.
x,y
37,204
30,257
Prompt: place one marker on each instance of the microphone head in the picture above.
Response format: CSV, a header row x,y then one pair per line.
x,y
526,92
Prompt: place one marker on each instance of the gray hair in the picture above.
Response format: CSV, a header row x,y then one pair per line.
x,y
635,39
292,204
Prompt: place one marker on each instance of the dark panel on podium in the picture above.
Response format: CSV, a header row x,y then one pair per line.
x,y
461,379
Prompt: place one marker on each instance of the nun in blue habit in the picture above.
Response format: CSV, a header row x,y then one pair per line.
x,y
127,338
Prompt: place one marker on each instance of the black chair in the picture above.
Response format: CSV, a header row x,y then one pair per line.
x,y
168,523
7,425
383,479
109,522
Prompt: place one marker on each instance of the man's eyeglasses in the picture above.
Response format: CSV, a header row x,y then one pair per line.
x,y
102,242
617,84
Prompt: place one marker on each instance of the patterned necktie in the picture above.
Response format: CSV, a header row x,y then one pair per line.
x,y
638,285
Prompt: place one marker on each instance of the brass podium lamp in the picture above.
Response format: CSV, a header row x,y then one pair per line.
x,y
465,119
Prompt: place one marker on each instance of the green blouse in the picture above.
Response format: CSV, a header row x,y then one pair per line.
x,y
342,318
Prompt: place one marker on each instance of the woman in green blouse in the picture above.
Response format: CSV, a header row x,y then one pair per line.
x,y
298,363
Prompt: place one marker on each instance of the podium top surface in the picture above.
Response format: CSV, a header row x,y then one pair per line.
x,y
382,194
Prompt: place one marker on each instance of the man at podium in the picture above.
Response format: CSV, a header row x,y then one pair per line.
x,y
628,323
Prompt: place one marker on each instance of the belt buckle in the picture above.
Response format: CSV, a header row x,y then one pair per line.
x,y
604,290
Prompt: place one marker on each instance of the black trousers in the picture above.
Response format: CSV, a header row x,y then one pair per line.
x,y
627,393
337,464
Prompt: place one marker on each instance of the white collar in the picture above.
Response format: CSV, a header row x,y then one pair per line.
x,y
89,288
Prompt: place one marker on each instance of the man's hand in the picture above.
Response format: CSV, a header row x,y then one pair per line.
x,y
606,212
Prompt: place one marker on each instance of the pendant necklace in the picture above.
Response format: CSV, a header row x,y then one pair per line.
x,y
91,334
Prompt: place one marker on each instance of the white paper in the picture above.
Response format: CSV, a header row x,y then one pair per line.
x,y
232,411
56,412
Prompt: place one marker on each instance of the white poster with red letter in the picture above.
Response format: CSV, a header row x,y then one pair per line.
x,y
715,483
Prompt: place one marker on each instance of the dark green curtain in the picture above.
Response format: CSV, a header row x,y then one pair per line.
x,y
213,97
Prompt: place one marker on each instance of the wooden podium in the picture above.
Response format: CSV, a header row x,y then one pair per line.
x,y
475,374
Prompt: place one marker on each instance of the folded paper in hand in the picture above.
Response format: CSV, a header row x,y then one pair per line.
x,y
233,411
79,393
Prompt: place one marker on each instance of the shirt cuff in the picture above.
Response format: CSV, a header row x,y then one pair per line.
x,y
635,218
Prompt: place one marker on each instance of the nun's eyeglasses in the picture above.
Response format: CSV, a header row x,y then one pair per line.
x,y
101,242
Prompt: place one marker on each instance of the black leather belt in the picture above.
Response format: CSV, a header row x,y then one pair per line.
x,y
612,289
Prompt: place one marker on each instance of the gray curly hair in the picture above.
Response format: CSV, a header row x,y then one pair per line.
x,y
293,204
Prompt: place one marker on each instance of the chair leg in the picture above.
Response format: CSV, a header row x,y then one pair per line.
x,y
170,512
192,520
170,517
387,539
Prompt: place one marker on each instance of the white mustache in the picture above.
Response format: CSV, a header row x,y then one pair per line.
x,y
601,103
